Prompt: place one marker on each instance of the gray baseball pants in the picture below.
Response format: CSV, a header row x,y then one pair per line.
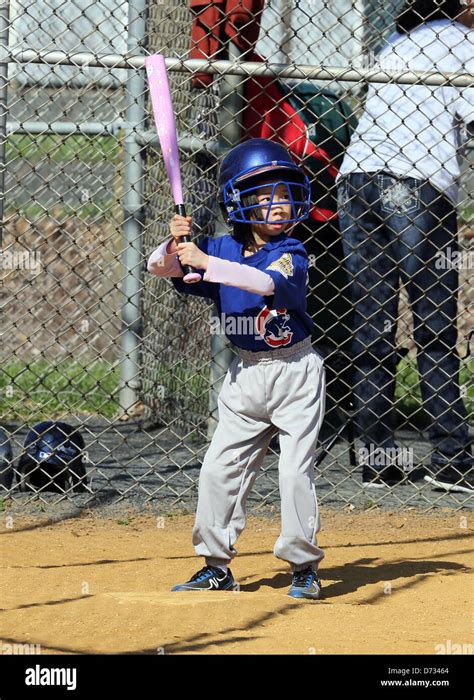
x,y
279,390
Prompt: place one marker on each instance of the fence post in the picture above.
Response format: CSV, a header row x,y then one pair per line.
x,y
133,214
4,32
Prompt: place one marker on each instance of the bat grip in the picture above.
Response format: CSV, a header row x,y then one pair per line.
x,y
190,275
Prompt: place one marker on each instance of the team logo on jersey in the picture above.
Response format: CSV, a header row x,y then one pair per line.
x,y
272,327
283,265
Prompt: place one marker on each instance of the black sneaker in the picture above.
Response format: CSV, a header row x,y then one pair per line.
x,y
306,584
210,578
450,479
382,479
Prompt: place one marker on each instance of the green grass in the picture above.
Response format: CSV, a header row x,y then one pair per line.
x,y
61,148
408,392
194,381
466,214
64,149
369,504
94,211
42,389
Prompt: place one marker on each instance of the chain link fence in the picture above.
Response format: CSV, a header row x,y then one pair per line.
x,y
89,338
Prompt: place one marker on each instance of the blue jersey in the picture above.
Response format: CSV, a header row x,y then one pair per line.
x,y
251,321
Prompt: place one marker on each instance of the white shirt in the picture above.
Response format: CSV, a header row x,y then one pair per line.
x,y
418,130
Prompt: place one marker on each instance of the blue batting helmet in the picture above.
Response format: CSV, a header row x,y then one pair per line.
x,y
246,168
52,459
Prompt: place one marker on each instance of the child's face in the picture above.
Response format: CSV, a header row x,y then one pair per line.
x,y
279,211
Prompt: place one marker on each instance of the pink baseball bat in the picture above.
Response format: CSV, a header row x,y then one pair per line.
x,y
166,127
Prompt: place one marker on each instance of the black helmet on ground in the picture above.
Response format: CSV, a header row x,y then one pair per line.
x,y
53,459
6,461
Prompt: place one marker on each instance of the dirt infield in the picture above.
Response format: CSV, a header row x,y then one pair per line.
x,y
393,583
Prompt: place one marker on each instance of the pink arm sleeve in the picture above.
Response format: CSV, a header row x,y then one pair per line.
x,y
164,264
237,275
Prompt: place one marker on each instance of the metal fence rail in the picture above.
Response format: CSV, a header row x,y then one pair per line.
x,y
90,338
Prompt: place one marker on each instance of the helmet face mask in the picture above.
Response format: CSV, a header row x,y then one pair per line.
x,y
255,164
242,206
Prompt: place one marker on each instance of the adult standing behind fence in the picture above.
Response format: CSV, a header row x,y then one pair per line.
x,y
397,192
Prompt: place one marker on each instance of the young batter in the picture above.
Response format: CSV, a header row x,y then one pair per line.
x,y
257,278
